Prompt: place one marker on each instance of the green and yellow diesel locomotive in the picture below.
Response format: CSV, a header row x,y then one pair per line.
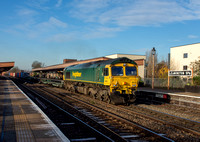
x,y
114,81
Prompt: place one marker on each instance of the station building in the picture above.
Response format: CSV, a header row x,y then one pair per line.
x,y
139,59
56,71
181,57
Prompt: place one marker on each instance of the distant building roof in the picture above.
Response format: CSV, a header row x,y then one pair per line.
x,y
62,66
5,66
185,45
131,56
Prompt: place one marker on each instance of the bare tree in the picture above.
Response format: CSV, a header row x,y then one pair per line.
x,y
196,66
37,64
149,62
14,70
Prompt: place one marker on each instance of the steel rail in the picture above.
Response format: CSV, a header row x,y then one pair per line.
x,y
113,115
163,121
110,139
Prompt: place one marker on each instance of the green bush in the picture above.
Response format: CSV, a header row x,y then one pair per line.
x,y
196,80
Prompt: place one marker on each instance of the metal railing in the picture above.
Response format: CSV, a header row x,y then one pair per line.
x,y
163,82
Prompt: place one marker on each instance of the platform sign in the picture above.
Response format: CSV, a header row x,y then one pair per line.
x,y
180,73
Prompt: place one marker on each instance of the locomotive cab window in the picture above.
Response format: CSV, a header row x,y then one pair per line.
x,y
131,71
117,71
105,72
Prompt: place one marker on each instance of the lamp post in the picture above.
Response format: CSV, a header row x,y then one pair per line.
x,y
153,51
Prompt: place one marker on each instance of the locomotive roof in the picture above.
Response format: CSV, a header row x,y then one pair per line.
x,y
102,63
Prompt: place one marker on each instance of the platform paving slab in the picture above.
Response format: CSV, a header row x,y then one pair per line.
x,y
21,120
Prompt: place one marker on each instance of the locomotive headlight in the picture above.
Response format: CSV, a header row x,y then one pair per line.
x,y
124,83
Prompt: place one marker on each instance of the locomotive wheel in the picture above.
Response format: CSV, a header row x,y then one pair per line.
x,y
92,95
72,89
99,96
107,98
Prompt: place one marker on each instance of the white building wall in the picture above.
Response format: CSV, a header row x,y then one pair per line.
x,y
141,71
177,60
132,57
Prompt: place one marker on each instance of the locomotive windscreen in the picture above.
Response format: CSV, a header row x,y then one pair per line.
x,y
131,71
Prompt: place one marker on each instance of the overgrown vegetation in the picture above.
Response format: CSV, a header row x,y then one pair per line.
x,y
196,70
196,80
162,70
37,64
14,70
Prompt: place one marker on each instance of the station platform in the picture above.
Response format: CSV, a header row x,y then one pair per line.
x,y
176,96
174,92
21,119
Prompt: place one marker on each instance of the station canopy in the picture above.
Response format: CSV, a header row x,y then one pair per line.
x,y
5,66
60,67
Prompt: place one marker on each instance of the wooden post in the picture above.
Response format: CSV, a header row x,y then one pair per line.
x,y
153,74
168,80
192,76
153,52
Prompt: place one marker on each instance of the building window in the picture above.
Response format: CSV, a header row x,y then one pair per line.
x,y
184,67
185,55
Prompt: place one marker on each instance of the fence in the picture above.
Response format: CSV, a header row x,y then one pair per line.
x,y
175,83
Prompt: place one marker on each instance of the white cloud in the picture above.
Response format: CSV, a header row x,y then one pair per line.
x,y
135,13
26,12
99,18
57,22
192,36
38,4
52,22
58,4
88,10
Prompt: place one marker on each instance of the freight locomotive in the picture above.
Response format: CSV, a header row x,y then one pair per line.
x,y
114,81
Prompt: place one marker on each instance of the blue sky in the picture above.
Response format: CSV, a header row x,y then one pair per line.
x,y
52,30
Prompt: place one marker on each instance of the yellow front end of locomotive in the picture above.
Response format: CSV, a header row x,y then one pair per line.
x,y
122,78
124,85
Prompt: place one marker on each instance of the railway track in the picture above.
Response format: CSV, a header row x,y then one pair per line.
x,y
176,128
69,123
124,127
119,126
170,129
171,120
